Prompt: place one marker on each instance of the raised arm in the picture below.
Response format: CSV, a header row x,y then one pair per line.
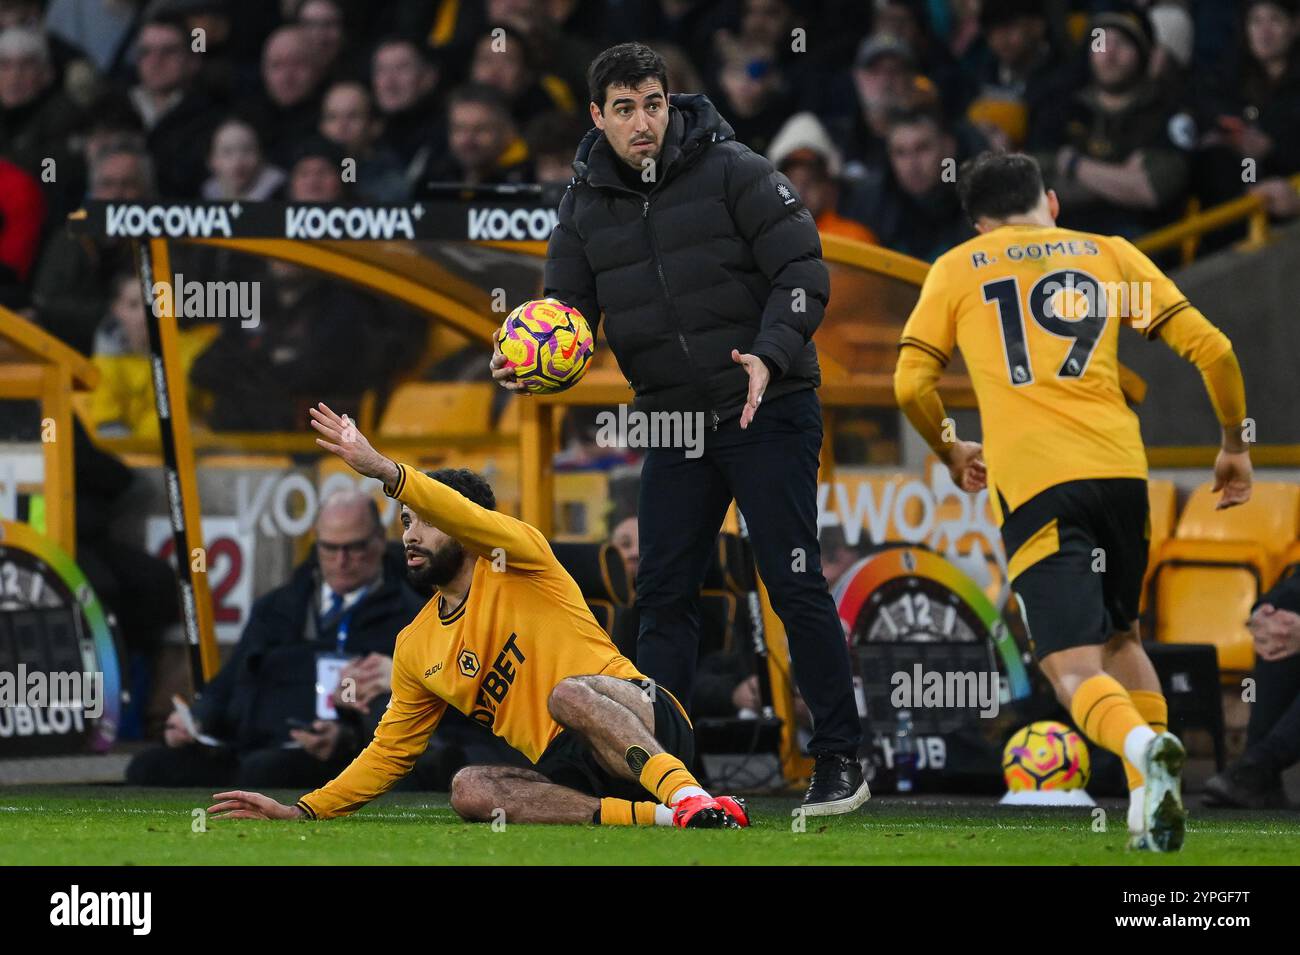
x,y
480,531
485,533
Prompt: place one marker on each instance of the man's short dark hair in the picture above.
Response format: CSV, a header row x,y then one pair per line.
x,y
121,278
166,20
415,45
993,15
316,146
999,185
627,64
916,116
480,94
469,483
555,133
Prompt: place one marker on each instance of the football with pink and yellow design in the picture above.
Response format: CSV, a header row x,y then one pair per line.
x,y
547,343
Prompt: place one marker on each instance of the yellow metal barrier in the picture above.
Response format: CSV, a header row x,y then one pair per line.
x,y
1191,229
34,365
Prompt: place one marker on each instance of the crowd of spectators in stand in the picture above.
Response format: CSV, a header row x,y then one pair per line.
x,y
869,108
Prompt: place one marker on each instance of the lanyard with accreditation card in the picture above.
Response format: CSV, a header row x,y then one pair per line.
x,y
329,666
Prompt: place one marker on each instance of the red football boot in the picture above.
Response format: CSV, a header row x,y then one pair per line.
x,y
735,808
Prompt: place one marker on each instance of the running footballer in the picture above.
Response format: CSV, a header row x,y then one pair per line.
x,y
1036,311
509,641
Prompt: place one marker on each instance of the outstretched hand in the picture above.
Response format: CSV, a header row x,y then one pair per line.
x,y
242,805
340,436
759,376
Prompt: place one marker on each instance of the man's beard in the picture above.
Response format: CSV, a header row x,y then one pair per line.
x,y
439,567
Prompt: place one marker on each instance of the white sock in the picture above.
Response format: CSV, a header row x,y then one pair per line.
x,y
1136,816
1135,746
663,815
686,792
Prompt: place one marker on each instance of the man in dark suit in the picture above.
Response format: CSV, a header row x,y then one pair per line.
x,y
349,599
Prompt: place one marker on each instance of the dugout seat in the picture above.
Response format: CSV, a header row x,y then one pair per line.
x,y
438,409
724,619
724,596
1271,517
1217,564
581,505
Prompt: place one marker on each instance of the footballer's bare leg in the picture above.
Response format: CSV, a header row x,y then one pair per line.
x,y
611,715
1125,660
1121,656
1068,669
513,794
617,720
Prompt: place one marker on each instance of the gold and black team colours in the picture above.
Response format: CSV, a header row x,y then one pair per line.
x,y
520,630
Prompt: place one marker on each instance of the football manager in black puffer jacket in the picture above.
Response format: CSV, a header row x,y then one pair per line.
x,y
708,271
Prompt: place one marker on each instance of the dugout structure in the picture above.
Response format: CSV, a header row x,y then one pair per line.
x,y
36,366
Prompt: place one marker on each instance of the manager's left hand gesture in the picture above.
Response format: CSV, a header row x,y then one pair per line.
x,y
759,376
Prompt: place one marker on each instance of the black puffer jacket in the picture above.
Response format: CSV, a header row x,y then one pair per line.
x,y
720,254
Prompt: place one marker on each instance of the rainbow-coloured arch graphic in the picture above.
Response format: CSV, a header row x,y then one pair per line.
x,y
864,577
23,537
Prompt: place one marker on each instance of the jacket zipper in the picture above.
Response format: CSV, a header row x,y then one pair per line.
x,y
663,284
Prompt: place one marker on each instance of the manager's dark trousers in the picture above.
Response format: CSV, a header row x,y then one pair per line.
x,y
771,471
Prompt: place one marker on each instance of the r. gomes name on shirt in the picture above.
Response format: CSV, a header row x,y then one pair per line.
x,y
1045,250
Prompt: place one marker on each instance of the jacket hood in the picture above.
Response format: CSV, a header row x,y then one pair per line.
x,y
693,121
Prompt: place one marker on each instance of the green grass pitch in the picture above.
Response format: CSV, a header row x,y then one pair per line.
x,y
113,825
